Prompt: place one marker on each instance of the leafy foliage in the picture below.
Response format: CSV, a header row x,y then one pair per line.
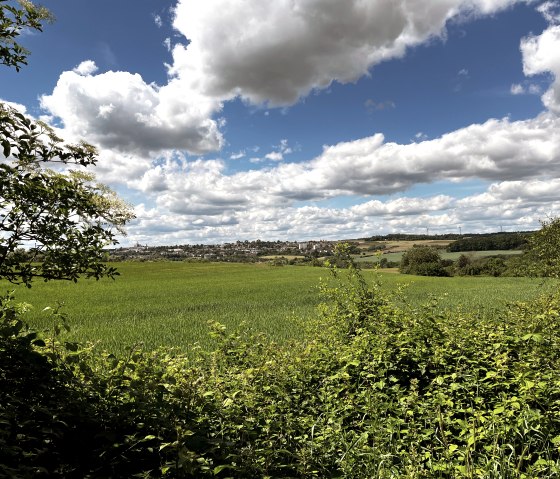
x,y
488,266
14,18
423,261
66,218
544,249
373,390
490,241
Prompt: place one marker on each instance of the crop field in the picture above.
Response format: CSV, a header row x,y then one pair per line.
x,y
397,256
400,246
170,303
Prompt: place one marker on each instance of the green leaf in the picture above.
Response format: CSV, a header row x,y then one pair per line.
x,y
71,346
221,468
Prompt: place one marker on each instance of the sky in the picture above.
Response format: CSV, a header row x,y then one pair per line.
x,y
230,120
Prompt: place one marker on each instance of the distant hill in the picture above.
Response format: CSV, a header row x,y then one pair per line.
x,y
464,242
489,242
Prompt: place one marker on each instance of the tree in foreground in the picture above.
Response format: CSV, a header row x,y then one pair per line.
x,y
544,249
14,17
54,224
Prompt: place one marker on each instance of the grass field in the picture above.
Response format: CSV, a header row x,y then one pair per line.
x,y
397,256
170,303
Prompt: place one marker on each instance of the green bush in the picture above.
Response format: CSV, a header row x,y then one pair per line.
x,y
423,261
486,266
373,390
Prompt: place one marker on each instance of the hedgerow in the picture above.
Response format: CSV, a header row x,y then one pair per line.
x,y
374,389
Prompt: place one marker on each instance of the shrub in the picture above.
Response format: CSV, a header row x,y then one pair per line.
x,y
374,389
423,261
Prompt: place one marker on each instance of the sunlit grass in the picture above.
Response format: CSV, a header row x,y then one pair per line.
x,y
170,303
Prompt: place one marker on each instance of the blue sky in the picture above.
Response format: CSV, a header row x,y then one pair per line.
x,y
307,119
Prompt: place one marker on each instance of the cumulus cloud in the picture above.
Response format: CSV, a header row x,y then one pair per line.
x,y
87,67
245,51
119,111
274,156
248,51
541,54
551,11
520,157
238,155
496,149
511,205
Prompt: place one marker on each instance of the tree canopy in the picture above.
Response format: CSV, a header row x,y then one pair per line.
x,y
54,221
14,17
423,261
544,249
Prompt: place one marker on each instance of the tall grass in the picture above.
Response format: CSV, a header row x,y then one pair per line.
x,y
171,303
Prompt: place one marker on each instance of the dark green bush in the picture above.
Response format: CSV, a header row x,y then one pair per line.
x,y
423,261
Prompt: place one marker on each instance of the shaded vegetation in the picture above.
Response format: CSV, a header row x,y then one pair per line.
x,y
490,241
423,261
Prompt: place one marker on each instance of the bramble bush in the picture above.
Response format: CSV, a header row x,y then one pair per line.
x,y
374,389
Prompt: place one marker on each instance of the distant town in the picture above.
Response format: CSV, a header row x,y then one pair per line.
x,y
240,251
308,251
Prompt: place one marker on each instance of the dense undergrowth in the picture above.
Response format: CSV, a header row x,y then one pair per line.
x,y
375,390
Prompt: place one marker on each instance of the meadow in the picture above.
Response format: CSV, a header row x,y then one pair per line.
x,y
170,303
397,256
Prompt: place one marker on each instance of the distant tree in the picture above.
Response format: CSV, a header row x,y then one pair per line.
x,y
462,262
423,261
490,241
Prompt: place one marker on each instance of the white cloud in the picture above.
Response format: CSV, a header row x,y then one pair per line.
x,y
509,205
119,111
244,51
158,21
274,156
16,106
550,12
534,89
247,51
519,158
541,54
87,67
497,149
238,155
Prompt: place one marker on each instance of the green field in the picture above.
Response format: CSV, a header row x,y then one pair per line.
x,y
396,257
170,303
